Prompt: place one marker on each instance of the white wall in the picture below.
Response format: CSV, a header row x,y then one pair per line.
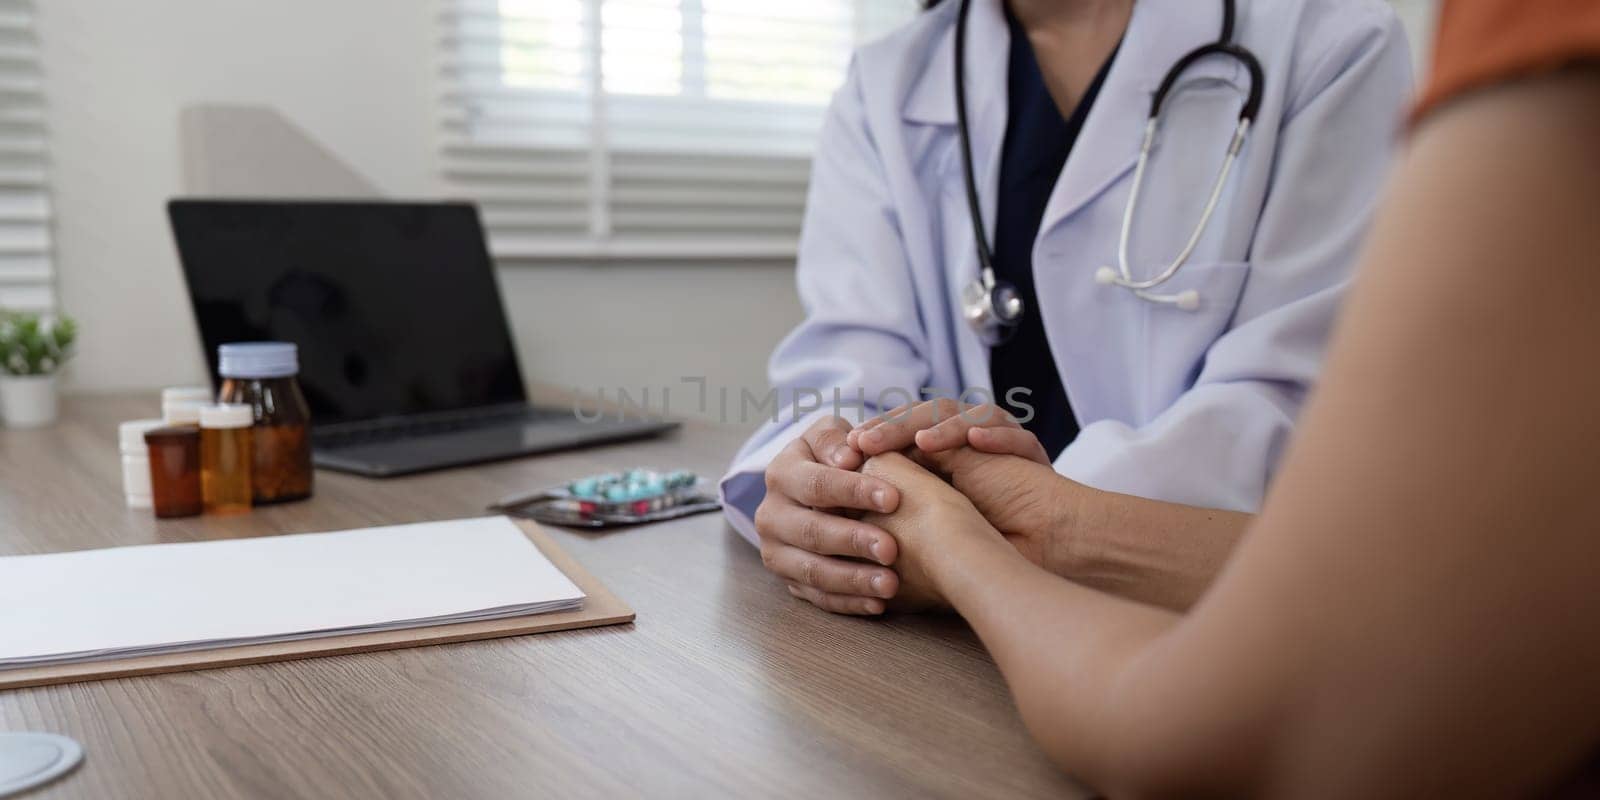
x,y
591,326
117,75
359,76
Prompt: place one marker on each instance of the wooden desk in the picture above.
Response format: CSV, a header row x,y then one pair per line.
x,y
726,686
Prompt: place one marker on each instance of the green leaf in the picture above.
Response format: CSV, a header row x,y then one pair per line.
x,y
65,332
29,346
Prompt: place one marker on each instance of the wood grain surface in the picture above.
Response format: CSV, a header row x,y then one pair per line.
x,y
725,685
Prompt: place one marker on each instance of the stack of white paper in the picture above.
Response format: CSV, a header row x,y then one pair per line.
x,y
92,605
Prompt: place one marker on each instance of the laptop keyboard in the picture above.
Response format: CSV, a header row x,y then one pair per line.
x,y
384,430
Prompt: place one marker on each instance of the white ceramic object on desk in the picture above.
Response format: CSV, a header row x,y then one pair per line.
x,y
27,401
34,759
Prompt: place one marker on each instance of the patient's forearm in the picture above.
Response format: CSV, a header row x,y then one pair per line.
x,y
1062,648
1387,630
1159,553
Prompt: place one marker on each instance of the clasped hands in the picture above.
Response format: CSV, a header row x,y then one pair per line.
x,y
855,520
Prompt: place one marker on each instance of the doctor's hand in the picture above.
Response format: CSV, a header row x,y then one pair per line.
x,y
942,424
1162,554
808,537
1033,506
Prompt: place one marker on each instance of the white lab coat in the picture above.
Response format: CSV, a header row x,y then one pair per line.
x,y
1186,406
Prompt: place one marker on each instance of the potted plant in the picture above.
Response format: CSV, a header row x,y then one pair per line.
x,y
32,350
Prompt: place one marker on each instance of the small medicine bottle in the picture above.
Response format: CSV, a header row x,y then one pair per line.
x,y
261,375
225,458
135,461
180,405
174,474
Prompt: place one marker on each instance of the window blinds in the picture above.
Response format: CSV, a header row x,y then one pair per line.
x,y
643,128
26,276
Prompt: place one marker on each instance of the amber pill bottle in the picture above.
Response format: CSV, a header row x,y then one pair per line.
x,y
261,375
225,458
175,470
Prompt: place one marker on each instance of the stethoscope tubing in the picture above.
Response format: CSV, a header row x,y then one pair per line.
x,y
1123,274
1126,280
974,207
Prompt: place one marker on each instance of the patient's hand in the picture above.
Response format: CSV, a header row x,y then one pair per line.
x,y
931,516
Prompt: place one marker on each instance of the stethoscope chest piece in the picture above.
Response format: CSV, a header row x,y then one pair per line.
x,y
992,308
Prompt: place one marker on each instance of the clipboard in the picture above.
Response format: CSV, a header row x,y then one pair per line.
x,y
600,607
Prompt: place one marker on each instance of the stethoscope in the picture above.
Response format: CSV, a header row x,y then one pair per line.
x,y
994,307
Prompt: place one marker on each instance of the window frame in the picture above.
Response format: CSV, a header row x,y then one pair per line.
x,y
594,164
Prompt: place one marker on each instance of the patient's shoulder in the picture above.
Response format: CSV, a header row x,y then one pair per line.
x,y
1486,42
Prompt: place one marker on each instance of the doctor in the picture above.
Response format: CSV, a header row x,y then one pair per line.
x,y
1157,351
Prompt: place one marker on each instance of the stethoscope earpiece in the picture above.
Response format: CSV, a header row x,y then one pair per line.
x,y
1187,300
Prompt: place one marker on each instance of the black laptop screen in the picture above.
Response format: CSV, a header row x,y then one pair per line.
x,y
394,306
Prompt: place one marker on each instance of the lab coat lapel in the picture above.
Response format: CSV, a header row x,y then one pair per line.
x,y
1093,332
1159,33
931,101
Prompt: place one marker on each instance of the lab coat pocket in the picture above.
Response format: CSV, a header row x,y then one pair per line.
x,y
1176,340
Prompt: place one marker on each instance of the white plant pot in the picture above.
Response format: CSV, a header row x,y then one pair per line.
x,y
27,401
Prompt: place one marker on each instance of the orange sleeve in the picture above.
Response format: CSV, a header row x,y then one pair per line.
x,y
1485,42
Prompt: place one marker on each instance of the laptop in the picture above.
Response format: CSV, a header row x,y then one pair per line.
x,y
406,358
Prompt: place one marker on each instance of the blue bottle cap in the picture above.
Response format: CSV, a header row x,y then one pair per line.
x,y
258,360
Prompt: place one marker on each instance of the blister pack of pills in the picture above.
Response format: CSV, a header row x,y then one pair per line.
x,y
613,499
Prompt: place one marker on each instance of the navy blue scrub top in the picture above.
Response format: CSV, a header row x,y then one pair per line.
x,y
1036,146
